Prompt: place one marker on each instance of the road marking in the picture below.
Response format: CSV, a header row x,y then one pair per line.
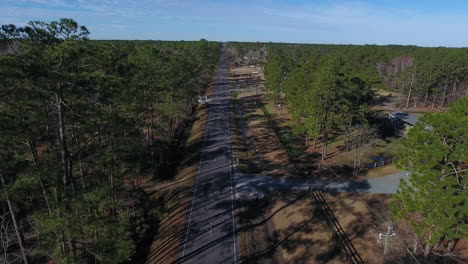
x,y
211,227
196,186
232,187
211,119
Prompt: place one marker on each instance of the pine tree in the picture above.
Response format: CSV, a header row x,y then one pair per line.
x,y
435,201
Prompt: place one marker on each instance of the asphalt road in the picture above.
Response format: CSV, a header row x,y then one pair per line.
x,y
248,184
211,234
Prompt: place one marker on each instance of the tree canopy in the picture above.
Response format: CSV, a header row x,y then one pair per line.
x,y
435,201
80,120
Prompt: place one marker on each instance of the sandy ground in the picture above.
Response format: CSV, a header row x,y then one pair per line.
x,y
301,232
288,228
307,238
262,146
363,217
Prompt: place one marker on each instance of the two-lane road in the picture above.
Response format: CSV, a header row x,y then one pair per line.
x,y
211,234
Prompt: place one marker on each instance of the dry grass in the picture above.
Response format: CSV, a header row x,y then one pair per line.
x,y
262,151
301,232
285,228
255,232
380,171
392,101
362,217
288,228
379,148
308,239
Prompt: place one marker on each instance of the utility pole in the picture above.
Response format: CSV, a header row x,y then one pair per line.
x,y
386,236
256,93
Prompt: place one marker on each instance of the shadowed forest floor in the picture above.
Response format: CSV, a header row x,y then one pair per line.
x,y
176,195
289,227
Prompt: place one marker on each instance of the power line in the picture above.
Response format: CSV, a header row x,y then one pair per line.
x,y
407,249
386,237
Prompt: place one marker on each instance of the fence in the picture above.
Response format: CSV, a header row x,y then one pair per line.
x,y
365,165
292,156
351,253
379,163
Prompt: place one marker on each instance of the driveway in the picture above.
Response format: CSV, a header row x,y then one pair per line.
x,y
255,184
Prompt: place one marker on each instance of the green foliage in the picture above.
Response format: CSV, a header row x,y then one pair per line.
x,y
435,201
80,120
323,92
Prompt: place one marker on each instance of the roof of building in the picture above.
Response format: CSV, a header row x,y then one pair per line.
x,y
405,117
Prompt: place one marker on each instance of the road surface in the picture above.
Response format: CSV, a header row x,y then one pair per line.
x,y
211,236
251,183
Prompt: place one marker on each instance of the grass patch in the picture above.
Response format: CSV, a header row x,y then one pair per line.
x,y
381,171
381,148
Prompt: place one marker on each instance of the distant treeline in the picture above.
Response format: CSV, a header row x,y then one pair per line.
x,y
332,87
329,90
429,76
80,121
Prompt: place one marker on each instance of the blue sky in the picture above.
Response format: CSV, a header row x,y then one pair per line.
x,y
410,22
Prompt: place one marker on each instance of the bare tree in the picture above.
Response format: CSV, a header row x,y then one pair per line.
x,y
7,239
359,138
14,221
232,56
263,53
252,56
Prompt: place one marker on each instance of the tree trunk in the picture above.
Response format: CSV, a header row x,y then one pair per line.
x,y
99,118
112,176
453,244
32,149
49,134
443,95
402,90
15,223
355,158
427,251
65,154
171,126
306,139
325,143
63,238
148,124
453,91
425,97
314,142
78,155
415,246
150,104
325,134
410,89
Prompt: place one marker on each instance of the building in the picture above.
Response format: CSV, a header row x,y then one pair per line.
x,y
402,121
